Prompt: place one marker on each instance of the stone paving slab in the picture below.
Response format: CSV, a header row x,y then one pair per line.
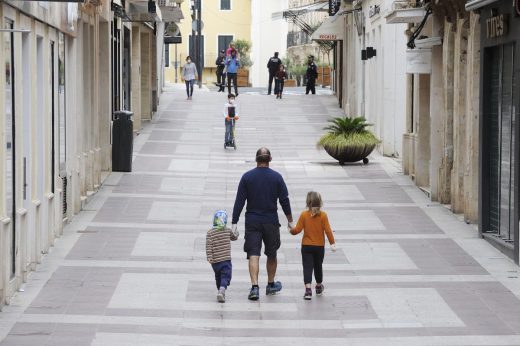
x,y
132,269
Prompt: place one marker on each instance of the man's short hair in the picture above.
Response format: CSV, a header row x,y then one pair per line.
x,y
263,155
275,53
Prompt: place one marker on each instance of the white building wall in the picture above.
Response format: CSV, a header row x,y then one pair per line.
x,y
385,78
267,35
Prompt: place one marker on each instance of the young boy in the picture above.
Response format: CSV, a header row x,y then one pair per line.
x,y
218,252
281,76
231,115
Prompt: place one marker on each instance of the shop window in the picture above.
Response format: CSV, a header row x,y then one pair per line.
x,y
62,146
9,135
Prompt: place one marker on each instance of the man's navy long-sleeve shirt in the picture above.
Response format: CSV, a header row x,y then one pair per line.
x,y
261,188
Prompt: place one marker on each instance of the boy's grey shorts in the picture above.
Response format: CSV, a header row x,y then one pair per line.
x,y
256,233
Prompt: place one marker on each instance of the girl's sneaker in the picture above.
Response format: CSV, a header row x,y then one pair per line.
x,y
319,289
308,294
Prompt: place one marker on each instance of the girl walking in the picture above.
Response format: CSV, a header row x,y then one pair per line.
x,y
315,224
189,75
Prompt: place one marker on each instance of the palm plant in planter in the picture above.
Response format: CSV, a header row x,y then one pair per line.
x,y
348,139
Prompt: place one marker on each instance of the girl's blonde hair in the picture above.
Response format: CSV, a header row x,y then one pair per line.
x,y
314,202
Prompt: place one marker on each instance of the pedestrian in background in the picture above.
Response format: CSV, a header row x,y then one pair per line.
x,y
221,66
312,75
281,76
315,225
189,75
262,188
218,252
273,65
232,65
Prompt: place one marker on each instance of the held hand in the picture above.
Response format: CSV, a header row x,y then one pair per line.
x,y
228,118
236,118
333,247
234,228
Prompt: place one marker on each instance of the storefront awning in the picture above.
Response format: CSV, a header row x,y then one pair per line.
x,y
330,30
476,4
322,6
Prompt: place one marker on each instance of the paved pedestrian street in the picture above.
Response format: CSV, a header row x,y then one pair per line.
x,y
131,268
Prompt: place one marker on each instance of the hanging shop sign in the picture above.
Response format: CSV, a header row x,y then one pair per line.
x,y
497,26
334,7
374,10
419,61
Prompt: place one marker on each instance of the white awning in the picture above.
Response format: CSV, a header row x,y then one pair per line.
x,y
322,6
473,5
330,30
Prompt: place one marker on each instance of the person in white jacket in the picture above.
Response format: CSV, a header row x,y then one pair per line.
x,y
189,75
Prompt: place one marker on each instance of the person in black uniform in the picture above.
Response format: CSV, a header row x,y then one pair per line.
x,y
221,75
274,66
312,74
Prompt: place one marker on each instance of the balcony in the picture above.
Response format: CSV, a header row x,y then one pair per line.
x,y
405,12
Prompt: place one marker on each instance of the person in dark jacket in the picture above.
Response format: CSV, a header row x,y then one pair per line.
x,y
312,74
274,66
262,188
221,75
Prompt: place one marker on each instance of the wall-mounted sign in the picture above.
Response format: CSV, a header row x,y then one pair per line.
x,y
334,7
419,61
497,26
327,37
374,10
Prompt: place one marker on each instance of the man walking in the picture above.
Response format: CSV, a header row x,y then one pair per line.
x,y
232,65
262,187
274,66
311,74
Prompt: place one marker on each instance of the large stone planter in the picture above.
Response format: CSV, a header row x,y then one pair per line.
x,y
351,153
242,77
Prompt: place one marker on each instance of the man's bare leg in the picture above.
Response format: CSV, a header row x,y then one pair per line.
x,y
272,264
254,266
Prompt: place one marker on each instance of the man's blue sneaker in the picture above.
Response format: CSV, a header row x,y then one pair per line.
x,y
275,288
254,294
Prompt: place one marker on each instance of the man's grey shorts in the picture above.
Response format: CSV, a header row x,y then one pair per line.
x,y
256,233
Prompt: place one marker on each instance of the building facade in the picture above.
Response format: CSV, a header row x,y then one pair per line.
x,y
498,123
223,22
68,67
268,35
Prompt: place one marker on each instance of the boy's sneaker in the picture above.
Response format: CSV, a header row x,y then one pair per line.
x,y
274,288
319,289
308,294
221,295
254,294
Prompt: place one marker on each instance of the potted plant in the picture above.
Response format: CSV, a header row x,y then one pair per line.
x,y
348,139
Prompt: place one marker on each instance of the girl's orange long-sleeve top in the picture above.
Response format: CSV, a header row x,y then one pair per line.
x,y
314,228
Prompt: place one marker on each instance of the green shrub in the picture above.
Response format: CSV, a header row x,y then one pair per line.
x,y
345,131
243,48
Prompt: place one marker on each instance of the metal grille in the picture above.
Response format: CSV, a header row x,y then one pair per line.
x,y
64,201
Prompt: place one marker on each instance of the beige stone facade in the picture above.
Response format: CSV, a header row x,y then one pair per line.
x,y
64,76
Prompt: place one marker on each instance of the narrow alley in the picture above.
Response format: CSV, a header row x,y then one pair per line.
x,y
131,268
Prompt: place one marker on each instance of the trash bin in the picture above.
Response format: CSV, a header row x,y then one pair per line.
x,y
122,141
